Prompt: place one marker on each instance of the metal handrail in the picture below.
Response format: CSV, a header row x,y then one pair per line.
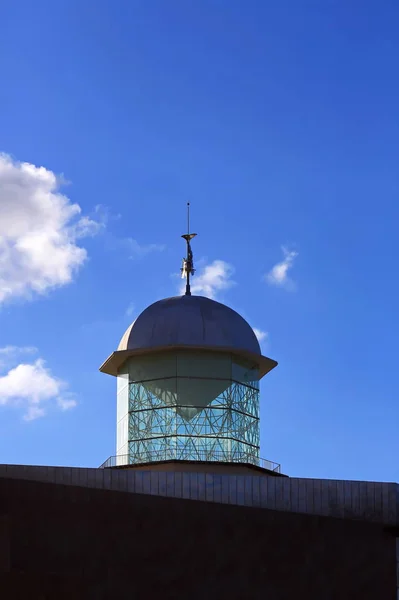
x,y
123,460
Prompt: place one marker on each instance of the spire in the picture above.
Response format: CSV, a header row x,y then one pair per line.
x,y
188,262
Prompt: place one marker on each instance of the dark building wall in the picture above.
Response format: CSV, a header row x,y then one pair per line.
x,y
69,542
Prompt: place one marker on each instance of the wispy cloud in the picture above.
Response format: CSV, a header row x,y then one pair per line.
x,y
130,310
261,335
12,350
66,401
103,214
8,354
278,275
96,223
211,279
137,250
39,230
32,386
130,248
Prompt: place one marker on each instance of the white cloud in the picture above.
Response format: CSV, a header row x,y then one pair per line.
x,y
32,386
211,279
39,228
278,275
261,335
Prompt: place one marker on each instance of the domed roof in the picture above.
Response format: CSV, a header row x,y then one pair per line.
x,y
190,321
186,322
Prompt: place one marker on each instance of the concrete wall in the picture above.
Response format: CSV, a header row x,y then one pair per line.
x,y
369,501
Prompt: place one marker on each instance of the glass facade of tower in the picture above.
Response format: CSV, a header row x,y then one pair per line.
x,y
188,405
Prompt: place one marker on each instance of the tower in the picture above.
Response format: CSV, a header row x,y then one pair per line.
x,y
188,371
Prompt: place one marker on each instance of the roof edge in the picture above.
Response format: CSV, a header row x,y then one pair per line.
x,y
115,361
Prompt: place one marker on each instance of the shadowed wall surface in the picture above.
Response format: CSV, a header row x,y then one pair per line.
x,y
60,541
367,501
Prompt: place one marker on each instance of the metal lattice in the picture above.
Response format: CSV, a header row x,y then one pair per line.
x,y
227,428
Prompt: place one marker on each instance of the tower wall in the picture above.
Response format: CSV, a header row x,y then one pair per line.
x,y
122,414
188,405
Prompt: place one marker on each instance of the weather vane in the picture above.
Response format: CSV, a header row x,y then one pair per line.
x,y
188,262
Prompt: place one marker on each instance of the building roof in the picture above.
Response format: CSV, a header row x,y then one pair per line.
x,y
189,321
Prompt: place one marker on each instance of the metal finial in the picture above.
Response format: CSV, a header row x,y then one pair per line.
x,y
188,262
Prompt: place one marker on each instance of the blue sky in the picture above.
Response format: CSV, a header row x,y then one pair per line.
x,y
279,122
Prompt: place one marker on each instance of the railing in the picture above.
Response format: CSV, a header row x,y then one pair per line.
x,y
154,456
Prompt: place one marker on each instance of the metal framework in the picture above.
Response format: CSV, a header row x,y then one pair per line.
x,y
226,429
125,460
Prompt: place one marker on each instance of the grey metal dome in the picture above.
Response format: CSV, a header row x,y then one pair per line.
x,y
190,321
